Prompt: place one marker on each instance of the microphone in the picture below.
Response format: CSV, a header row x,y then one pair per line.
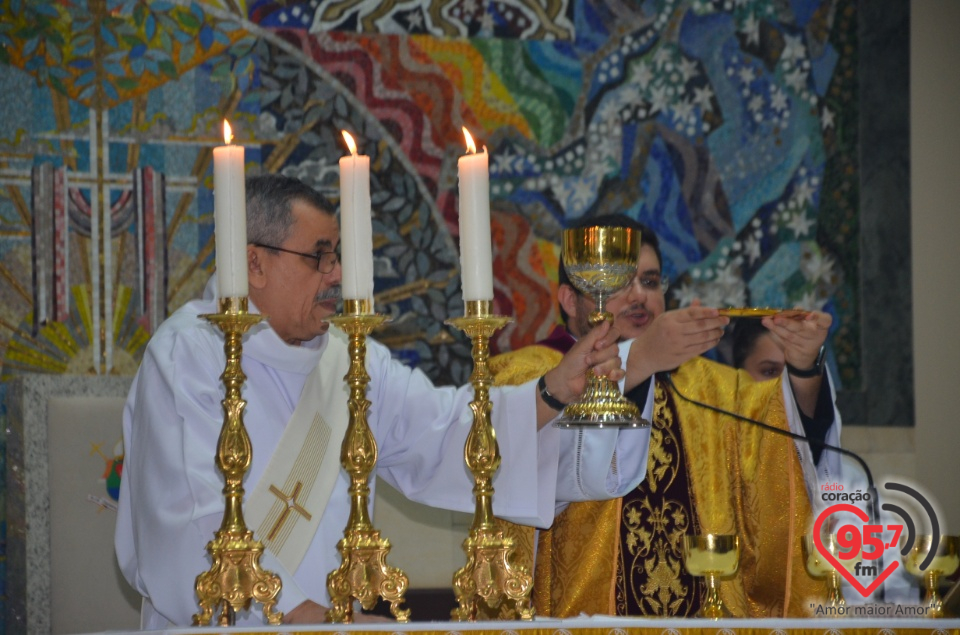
x,y
874,513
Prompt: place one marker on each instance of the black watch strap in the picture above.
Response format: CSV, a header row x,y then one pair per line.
x,y
815,371
549,399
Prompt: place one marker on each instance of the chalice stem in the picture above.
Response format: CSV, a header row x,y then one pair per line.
x,y
713,606
834,594
934,604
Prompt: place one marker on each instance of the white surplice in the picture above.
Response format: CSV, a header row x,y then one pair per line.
x,y
171,500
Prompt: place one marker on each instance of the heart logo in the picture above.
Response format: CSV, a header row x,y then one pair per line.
x,y
818,541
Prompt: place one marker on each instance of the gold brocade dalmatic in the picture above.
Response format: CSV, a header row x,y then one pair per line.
x,y
623,555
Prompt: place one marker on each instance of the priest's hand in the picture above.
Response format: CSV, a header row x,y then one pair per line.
x,y
307,612
801,340
598,351
672,338
310,612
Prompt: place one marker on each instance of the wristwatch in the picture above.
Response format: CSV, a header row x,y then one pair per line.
x,y
814,371
549,399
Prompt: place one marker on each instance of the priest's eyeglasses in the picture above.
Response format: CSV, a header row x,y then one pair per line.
x,y
649,282
326,260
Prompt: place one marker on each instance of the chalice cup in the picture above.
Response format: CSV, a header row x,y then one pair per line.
x,y
712,556
943,563
599,262
822,569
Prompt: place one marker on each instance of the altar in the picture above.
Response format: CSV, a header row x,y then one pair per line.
x,y
605,625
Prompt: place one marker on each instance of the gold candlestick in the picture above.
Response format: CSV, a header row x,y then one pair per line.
x,y
490,573
363,573
235,579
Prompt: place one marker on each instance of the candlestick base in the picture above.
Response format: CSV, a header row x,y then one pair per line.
x,y
490,574
236,578
363,573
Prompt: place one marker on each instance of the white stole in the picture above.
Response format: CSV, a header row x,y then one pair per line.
x,y
287,503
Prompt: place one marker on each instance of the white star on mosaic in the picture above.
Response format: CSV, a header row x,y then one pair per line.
x,y
658,98
755,104
817,267
703,97
826,119
796,79
682,110
688,68
799,224
685,294
804,192
746,74
643,74
751,28
503,161
793,48
751,249
662,56
778,99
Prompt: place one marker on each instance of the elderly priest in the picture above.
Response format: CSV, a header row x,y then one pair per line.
x,y
171,501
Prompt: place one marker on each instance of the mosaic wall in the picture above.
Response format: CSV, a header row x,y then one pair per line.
x,y
729,126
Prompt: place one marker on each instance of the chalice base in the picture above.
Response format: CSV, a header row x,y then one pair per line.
x,y
601,406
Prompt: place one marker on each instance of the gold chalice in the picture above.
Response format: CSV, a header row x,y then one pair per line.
x,y
600,261
943,563
822,569
712,556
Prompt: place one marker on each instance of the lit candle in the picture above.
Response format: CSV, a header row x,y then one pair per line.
x,y
356,228
476,257
230,217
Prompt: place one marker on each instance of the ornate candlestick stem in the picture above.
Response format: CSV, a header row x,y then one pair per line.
x,y
490,573
235,579
363,573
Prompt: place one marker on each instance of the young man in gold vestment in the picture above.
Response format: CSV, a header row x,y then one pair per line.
x,y
706,472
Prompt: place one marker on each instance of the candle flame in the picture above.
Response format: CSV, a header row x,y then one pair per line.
x,y
471,146
351,144
227,132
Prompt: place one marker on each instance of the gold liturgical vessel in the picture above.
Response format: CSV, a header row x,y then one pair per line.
x,y
944,563
713,556
235,579
820,568
363,573
490,573
600,261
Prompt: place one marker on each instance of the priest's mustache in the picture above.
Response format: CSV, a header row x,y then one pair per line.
x,y
333,293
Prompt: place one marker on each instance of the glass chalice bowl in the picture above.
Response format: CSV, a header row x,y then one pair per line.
x,y
712,556
822,569
944,562
600,261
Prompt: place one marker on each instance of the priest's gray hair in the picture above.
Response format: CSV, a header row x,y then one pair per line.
x,y
270,200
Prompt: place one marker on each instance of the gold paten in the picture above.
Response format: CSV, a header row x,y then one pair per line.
x,y
822,569
490,574
363,573
235,579
600,261
944,563
712,556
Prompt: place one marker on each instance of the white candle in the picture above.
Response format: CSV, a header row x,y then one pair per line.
x,y
476,253
230,218
356,226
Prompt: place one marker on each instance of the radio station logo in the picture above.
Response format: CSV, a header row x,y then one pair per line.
x,y
867,544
